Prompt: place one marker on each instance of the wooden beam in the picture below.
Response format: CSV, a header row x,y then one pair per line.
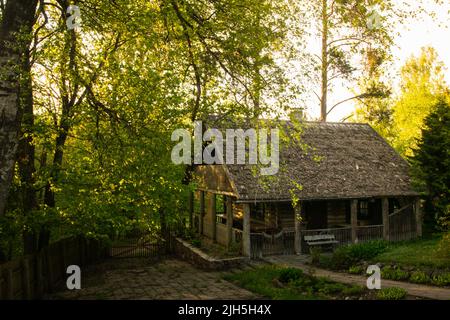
x,y
354,219
297,226
191,209
418,214
213,216
202,212
229,206
385,213
246,231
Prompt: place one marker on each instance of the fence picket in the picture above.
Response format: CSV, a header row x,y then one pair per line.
x,y
32,276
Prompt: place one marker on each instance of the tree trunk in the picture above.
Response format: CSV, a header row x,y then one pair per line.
x,y
323,100
49,194
18,16
26,153
68,101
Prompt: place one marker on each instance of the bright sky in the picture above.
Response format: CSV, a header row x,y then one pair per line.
x,y
413,36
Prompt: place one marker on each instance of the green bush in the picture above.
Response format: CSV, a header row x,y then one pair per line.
x,y
353,290
443,249
330,288
290,283
341,259
419,277
394,273
356,270
441,279
305,282
196,243
345,257
391,294
290,274
315,255
367,250
235,248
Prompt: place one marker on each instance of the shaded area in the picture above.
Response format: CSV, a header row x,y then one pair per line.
x,y
142,279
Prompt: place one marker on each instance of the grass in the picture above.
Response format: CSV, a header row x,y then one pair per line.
x,y
292,284
419,261
391,294
415,253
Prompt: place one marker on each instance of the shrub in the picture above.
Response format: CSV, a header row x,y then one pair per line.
x,y
290,274
305,282
341,259
315,255
394,273
235,248
367,250
419,277
353,290
443,248
356,270
391,294
196,243
346,256
330,288
441,279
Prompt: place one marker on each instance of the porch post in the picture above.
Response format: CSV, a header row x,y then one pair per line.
x,y
297,226
246,231
354,219
202,211
191,210
212,212
385,212
418,214
229,220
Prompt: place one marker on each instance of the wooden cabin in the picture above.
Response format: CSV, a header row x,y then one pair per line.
x,y
354,187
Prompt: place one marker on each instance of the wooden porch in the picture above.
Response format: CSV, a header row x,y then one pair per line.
x,y
263,229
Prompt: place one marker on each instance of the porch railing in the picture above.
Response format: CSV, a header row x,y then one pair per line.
x,y
368,233
221,218
236,235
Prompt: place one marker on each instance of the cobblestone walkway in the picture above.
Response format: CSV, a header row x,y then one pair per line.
x,y
139,279
417,290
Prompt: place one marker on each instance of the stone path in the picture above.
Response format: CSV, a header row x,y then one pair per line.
x,y
417,290
170,279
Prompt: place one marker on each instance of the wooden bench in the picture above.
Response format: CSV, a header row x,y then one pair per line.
x,y
321,239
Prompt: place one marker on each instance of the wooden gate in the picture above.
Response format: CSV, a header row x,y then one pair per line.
x,y
402,224
265,244
137,244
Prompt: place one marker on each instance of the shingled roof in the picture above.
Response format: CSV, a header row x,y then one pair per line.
x,y
354,162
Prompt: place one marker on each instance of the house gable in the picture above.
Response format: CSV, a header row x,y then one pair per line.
x,y
214,178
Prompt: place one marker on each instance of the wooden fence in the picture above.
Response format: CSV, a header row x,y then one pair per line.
x,y
32,276
402,224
